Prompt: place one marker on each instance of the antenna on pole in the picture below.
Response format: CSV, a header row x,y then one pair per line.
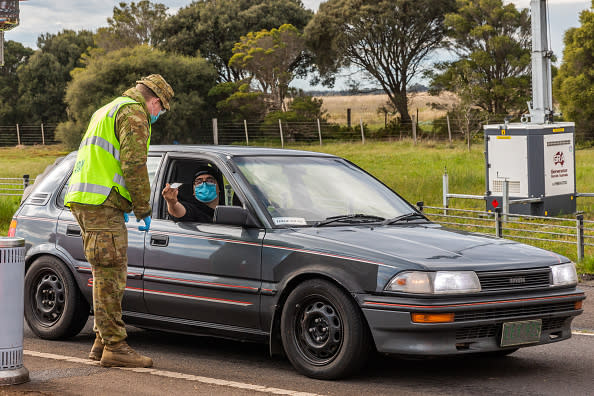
x,y
542,97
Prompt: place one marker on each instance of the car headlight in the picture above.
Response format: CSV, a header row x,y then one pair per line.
x,y
439,282
564,274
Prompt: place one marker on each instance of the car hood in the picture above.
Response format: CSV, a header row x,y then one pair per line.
x,y
429,247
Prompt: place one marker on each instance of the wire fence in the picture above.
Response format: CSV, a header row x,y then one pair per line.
x,y
545,232
279,133
14,186
13,135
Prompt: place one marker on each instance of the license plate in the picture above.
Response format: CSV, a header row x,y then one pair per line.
x,y
519,333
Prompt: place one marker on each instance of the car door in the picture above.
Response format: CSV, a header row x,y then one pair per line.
x,y
203,272
69,239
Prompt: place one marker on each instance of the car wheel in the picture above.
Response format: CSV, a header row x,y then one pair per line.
x,y
323,332
54,306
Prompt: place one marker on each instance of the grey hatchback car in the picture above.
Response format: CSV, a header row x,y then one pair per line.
x,y
307,253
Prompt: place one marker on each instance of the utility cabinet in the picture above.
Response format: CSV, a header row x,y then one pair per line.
x,y
537,160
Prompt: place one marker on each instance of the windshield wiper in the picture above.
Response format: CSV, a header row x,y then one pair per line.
x,y
405,217
351,218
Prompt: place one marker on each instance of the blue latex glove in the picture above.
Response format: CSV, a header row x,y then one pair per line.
x,y
126,217
147,224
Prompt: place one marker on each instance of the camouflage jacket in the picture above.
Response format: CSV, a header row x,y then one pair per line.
x,y
132,131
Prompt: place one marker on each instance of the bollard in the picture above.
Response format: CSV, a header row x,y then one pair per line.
x,y
12,284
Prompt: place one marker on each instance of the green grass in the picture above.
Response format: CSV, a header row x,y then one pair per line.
x,y
414,171
19,161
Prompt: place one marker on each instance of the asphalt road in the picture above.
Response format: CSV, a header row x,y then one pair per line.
x,y
201,366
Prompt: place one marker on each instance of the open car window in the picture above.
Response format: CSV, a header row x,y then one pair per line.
x,y
181,171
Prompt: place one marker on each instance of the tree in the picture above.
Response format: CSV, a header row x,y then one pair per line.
x,y
15,56
492,40
271,57
212,27
388,39
131,25
574,84
465,115
43,79
303,109
236,102
108,75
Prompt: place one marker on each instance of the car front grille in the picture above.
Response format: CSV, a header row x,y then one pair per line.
x,y
492,330
501,313
513,280
468,333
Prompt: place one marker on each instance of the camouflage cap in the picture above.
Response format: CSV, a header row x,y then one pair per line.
x,y
159,86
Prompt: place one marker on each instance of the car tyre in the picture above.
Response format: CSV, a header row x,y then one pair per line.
x,y
54,305
323,332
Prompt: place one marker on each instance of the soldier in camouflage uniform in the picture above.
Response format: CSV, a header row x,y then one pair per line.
x,y
102,218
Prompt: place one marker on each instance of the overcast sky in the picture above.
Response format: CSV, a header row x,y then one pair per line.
x,y
43,16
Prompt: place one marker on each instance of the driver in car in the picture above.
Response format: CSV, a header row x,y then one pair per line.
x,y
201,207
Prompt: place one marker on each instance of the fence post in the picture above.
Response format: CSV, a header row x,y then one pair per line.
x,y
449,127
505,199
580,236
446,200
348,118
42,135
414,129
18,135
498,223
280,128
25,181
362,132
215,131
247,141
320,131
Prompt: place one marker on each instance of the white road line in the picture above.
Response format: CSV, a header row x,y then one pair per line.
x,y
173,374
583,332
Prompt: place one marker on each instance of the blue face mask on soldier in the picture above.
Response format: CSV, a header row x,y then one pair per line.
x,y
206,192
154,118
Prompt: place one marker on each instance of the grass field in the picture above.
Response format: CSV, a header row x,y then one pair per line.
x,y
414,171
365,107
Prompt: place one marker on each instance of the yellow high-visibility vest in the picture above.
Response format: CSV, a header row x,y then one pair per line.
x,y
97,169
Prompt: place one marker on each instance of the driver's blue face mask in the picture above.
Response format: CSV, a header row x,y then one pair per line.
x,y
205,192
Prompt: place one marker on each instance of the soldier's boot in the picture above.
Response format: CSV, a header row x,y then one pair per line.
x,y
121,355
96,349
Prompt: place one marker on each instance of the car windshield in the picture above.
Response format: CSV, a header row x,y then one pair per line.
x,y
319,191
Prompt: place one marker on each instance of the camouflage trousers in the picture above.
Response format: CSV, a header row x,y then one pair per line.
x,y
105,240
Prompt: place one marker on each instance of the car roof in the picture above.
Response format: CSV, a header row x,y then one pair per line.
x,y
234,150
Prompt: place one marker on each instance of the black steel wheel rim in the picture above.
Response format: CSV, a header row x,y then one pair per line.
x,y
319,331
48,297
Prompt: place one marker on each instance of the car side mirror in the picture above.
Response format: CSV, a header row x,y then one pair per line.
x,y
234,215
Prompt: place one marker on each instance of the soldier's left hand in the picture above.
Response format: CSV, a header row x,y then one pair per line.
x,y
147,224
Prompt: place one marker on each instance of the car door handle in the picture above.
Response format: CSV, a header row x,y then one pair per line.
x,y
72,230
159,240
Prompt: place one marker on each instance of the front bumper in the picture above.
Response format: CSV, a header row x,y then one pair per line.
x,y
477,326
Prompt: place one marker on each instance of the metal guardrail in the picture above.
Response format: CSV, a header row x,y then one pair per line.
x,y
14,186
506,201
529,229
